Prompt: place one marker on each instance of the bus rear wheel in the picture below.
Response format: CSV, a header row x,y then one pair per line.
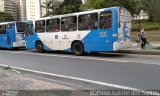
x,y
78,48
39,47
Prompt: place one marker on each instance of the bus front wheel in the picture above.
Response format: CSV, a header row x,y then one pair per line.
x,y
39,47
78,48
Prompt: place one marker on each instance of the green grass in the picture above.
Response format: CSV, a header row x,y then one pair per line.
x,y
153,35
147,26
158,48
152,29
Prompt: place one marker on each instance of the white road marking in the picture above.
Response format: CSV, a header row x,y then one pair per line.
x,y
86,80
84,87
80,57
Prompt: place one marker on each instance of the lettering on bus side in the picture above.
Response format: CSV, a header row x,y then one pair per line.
x,y
56,36
65,37
103,34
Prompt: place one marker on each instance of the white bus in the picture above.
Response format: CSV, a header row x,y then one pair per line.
x,y
101,30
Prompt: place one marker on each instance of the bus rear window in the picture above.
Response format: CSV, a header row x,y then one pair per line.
x,y
21,27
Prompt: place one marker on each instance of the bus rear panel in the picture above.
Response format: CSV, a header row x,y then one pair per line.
x,y
12,34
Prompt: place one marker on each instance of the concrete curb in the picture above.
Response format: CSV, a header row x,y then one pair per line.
x,y
149,52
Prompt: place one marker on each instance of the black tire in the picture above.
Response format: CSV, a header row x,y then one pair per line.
x,y
94,53
39,47
15,48
78,48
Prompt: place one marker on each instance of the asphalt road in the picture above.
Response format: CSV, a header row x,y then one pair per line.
x,y
135,71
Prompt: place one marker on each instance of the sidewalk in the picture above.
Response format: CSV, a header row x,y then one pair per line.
x,y
135,50
13,83
153,44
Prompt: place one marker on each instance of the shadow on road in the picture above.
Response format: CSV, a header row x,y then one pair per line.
x,y
93,54
13,49
106,54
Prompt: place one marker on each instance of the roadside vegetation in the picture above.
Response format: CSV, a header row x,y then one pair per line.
x,y
152,29
4,17
158,48
148,26
152,35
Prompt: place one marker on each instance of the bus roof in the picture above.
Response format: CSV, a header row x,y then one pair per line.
x,y
4,23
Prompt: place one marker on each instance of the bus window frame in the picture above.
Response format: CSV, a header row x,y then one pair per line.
x,y
69,23
43,29
88,22
17,27
58,25
100,20
31,33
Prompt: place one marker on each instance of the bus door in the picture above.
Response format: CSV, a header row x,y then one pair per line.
x,y
106,29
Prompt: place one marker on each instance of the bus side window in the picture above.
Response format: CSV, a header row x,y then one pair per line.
x,y
88,21
94,21
29,30
53,25
83,22
2,29
106,20
69,23
40,26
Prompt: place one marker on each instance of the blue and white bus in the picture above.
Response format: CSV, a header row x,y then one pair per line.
x,y
101,30
12,34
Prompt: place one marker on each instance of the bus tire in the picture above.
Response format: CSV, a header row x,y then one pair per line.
x,y
39,47
78,48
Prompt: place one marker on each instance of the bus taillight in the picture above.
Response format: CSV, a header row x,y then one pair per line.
x,y
116,35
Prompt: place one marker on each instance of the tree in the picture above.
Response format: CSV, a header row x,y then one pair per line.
x,y
136,13
4,17
52,7
97,4
67,6
152,8
70,6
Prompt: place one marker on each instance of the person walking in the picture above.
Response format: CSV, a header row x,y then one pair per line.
x,y
138,40
143,38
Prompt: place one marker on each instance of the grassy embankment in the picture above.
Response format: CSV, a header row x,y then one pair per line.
x,y
153,34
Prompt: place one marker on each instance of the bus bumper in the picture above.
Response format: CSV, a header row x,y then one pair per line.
x,y
19,44
118,46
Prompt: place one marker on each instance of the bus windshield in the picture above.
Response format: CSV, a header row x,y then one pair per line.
x,y
21,27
